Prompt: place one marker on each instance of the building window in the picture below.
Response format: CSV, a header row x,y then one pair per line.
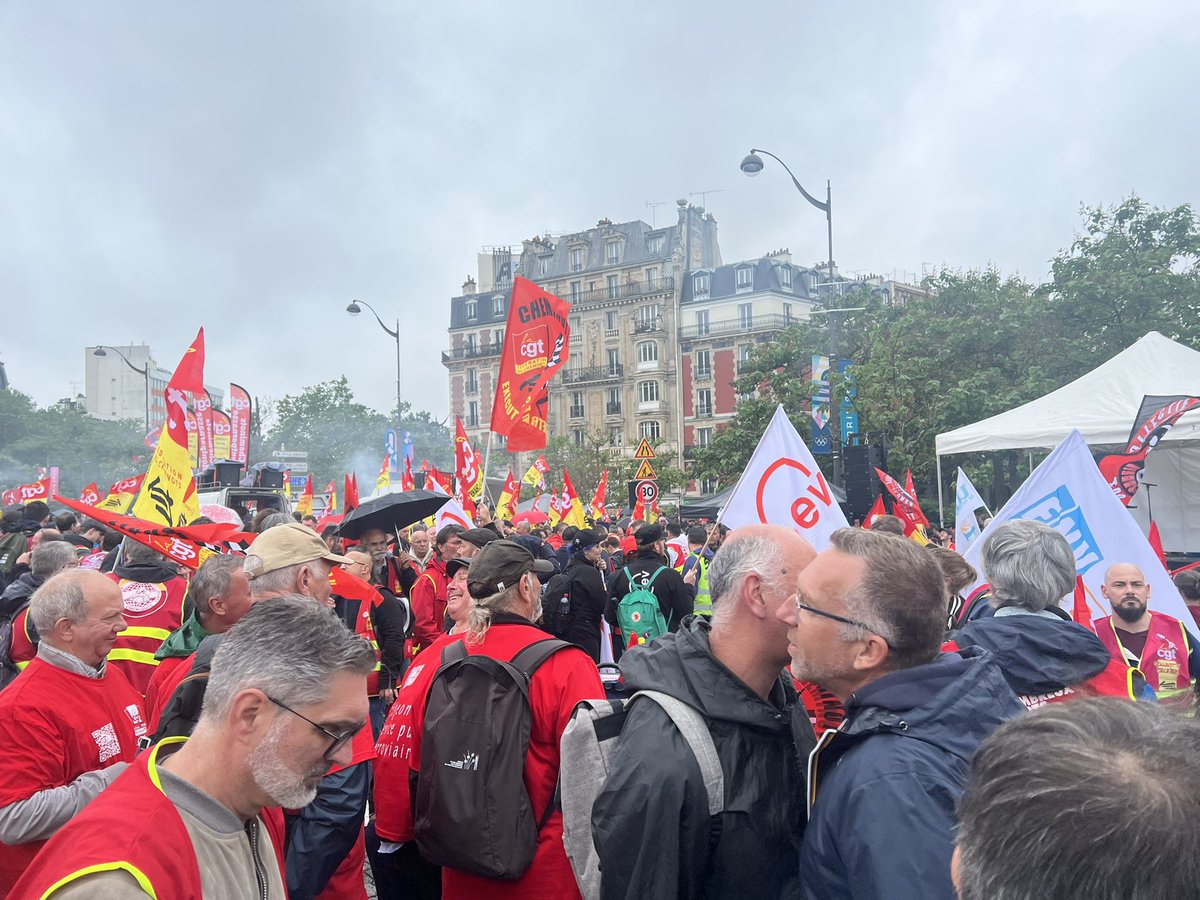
x,y
700,284
785,276
577,404
472,310
470,347
704,406
703,438
703,364
787,314
498,305
473,414
472,381
575,290
610,320
578,435
649,430
647,353
612,252
576,258
647,391
544,265
648,316
614,361
652,278
701,322
498,338
745,316
616,437
655,244
745,278
613,283
613,407
708,486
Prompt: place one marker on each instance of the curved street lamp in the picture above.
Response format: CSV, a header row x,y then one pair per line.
x,y
753,164
145,373
354,309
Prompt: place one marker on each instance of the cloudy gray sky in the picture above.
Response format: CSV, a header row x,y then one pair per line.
x,y
254,166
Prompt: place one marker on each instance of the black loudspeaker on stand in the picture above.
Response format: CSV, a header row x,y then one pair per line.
x,y
862,455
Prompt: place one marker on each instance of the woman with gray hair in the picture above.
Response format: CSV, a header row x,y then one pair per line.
x,y
1045,656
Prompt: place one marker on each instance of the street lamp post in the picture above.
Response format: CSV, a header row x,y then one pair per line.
x,y
752,165
145,373
354,309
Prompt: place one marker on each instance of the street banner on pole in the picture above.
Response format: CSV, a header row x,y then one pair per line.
x,y
1068,493
822,443
239,423
204,428
222,435
782,485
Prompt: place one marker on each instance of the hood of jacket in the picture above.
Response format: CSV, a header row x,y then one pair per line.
x,y
147,573
183,641
1037,655
682,664
951,703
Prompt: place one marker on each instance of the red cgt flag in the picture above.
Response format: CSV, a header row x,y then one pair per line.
x,y
877,509
536,345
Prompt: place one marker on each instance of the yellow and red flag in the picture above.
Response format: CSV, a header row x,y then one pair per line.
x,y
384,481
570,505
121,493
468,469
90,495
535,476
554,516
536,345
168,492
439,481
598,497
27,493
510,496
330,493
305,504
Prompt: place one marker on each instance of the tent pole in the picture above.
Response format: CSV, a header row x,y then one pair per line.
x,y
1030,462
941,513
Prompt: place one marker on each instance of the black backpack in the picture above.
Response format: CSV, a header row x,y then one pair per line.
x,y
472,811
8,668
558,608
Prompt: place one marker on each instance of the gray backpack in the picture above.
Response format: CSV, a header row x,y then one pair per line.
x,y
471,809
587,747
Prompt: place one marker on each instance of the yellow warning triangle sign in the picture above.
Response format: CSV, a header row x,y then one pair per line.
x,y
645,451
645,471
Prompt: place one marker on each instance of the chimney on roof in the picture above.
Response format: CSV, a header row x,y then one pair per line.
x,y
469,286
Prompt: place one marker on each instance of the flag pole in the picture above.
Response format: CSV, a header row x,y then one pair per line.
x,y
487,458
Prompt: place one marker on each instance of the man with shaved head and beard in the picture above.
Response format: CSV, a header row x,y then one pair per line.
x,y
1157,645
650,822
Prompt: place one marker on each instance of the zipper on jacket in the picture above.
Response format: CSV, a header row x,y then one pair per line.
x,y
260,872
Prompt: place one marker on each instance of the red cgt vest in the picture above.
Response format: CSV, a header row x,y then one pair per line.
x,y
1164,659
133,827
152,612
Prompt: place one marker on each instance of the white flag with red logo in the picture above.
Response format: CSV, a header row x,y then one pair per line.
x,y
782,485
452,514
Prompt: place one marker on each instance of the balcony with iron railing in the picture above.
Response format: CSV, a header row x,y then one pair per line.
x,y
623,291
593,373
612,409
774,322
471,351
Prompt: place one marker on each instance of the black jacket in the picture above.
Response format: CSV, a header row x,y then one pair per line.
x,y
650,822
588,598
392,622
1038,655
888,780
17,594
674,597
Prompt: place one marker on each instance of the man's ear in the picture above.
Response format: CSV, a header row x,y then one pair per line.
x,y
249,713
872,653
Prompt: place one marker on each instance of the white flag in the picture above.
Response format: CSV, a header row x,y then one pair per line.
x,y
1068,493
452,513
782,485
966,526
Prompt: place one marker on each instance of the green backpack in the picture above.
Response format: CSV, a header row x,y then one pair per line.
x,y
638,614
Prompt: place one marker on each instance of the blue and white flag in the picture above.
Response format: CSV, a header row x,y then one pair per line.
x,y
967,500
408,445
1068,493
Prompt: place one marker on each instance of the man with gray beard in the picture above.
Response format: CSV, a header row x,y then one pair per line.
x,y
286,696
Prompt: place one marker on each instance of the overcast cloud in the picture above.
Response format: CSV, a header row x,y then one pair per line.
x,y
253,167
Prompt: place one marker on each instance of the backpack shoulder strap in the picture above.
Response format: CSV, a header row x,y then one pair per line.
x,y
655,575
628,577
453,652
531,658
695,731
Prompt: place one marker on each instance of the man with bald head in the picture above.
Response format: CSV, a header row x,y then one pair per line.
x,y
1156,644
730,670
70,722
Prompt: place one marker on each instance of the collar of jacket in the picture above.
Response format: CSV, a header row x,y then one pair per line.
x,y
146,573
184,640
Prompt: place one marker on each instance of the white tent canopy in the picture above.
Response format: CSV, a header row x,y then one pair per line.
x,y
1103,404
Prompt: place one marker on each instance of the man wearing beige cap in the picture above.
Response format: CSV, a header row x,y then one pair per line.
x,y
291,559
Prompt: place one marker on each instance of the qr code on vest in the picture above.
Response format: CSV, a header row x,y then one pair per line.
x,y
106,742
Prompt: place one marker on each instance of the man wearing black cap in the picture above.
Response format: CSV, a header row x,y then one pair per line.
x,y
648,569
474,540
575,600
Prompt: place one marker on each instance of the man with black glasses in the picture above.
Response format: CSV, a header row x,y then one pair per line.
x,y
866,624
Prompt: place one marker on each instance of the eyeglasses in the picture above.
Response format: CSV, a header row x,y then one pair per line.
x,y
338,740
842,619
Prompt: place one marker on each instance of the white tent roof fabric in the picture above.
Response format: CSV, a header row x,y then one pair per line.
x,y
1101,404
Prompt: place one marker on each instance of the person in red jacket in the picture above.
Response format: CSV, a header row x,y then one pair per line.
x,y
286,696
69,723
429,593
153,592
502,579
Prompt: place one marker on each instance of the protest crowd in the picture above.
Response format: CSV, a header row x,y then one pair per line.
x,y
429,694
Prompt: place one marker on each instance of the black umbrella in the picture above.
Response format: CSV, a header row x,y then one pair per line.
x,y
391,512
